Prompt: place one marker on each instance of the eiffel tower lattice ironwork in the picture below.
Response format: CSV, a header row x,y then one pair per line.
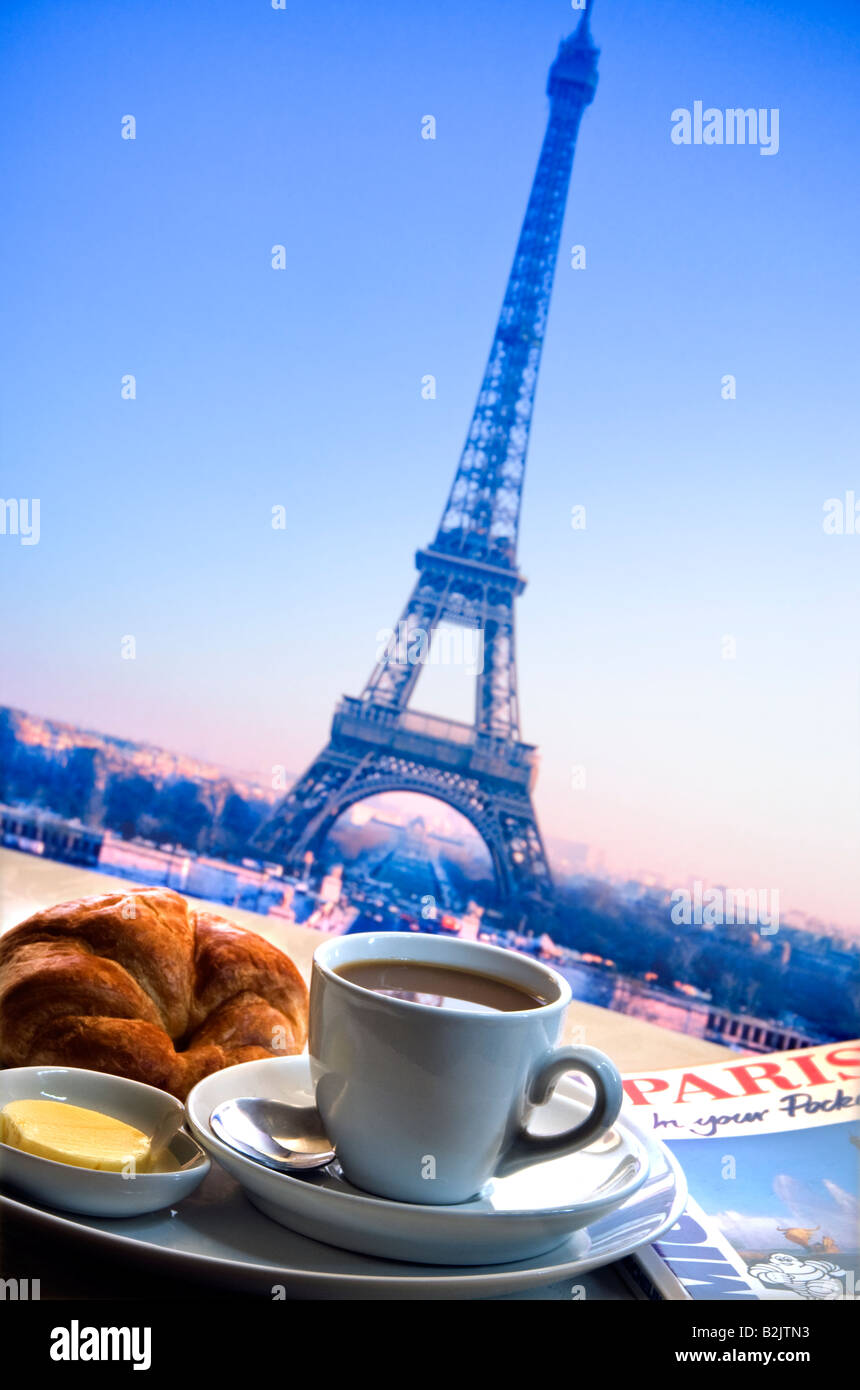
x,y
469,576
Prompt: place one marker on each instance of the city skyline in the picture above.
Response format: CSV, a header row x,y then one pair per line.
x,y
257,389
572,861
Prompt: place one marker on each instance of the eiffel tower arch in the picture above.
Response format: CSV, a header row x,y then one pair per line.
x,y
373,750
469,577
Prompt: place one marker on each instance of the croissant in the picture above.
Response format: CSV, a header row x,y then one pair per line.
x,y
140,985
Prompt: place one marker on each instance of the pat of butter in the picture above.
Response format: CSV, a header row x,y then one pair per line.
x,y
70,1134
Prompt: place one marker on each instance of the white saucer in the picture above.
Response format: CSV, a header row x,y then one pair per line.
x,y
217,1237
516,1217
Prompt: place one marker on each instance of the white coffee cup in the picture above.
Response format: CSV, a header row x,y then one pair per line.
x,y
425,1103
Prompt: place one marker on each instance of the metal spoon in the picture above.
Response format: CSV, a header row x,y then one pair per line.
x,y
287,1138
167,1128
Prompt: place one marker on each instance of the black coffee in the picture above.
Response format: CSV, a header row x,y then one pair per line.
x,y
446,986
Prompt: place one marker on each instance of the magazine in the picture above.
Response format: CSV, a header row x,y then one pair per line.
x,y
770,1146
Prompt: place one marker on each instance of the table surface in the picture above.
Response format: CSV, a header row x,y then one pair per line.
x,y
66,1270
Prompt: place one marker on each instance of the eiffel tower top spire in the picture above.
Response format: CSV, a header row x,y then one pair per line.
x,y
481,518
576,63
583,28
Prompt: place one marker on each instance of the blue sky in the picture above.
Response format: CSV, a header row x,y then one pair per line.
x,y
758,1196
302,388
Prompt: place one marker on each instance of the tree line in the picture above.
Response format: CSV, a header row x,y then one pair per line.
x,y
817,979
213,818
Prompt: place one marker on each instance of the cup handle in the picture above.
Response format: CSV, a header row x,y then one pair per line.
x,y
527,1148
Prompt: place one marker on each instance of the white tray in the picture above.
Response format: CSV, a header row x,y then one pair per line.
x,y
216,1236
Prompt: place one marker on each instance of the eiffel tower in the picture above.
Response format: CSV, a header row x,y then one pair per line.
x,y
467,576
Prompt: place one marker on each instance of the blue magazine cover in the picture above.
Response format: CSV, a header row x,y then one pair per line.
x,y
771,1150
